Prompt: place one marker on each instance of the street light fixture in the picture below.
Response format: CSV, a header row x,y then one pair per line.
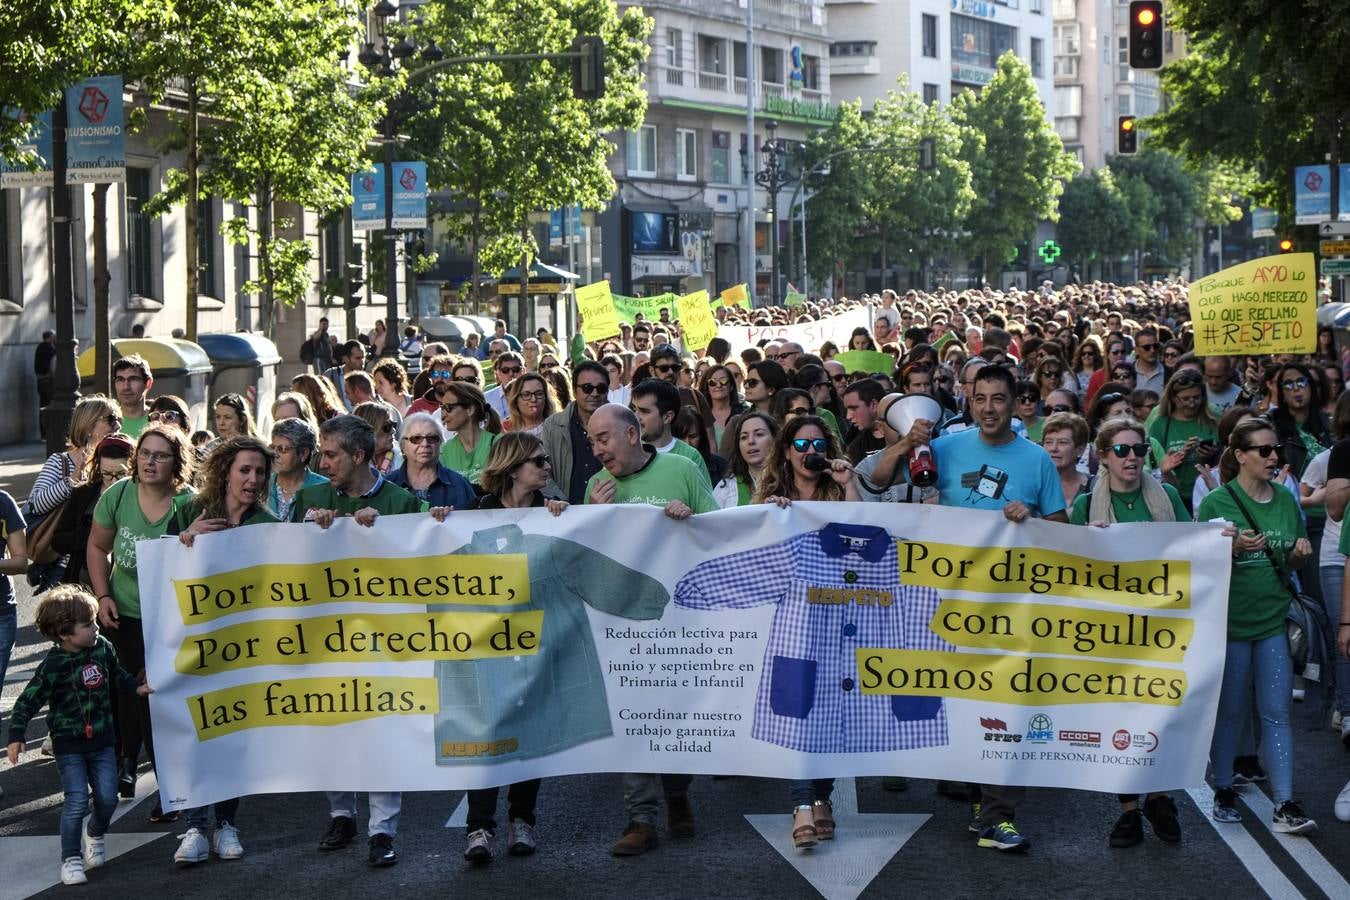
x,y
773,178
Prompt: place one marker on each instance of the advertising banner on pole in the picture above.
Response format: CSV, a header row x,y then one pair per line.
x,y
410,195
96,141
368,199
1312,194
825,639
39,143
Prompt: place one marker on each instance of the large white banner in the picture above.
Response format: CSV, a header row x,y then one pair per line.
x,y
809,334
828,639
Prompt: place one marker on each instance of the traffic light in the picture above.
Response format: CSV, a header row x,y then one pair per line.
x,y
356,284
1146,34
1127,139
588,69
1286,245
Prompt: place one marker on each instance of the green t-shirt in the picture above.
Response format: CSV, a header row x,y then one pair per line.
x,y
187,513
1257,599
120,509
455,458
1314,447
388,500
680,448
134,427
1036,430
1082,507
823,413
664,478
1171,434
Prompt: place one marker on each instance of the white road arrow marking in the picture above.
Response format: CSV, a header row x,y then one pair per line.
x,y
460,817
30,865
842,869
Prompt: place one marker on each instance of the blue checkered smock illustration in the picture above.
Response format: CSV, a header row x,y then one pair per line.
x,y
837,589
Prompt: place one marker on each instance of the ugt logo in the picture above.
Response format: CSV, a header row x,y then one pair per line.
x,y
94,105
408,179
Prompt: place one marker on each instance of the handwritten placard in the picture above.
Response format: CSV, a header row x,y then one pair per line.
x,y
599,320
696,321
1266,305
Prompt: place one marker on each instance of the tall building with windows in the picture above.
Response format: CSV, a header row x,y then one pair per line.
x,y
944,46
685,175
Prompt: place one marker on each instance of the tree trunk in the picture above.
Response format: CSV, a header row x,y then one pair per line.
x,y
523,303
267,312
190,210
102,342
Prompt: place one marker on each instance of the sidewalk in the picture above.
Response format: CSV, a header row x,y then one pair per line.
x,y
19,467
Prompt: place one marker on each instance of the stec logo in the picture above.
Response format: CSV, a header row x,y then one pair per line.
x,y
997,730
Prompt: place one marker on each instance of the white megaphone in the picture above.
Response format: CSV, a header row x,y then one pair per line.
x,y
902,411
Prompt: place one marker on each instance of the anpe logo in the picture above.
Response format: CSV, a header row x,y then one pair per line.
x,y
408,179
997,730
94,105
1040,730
1121,739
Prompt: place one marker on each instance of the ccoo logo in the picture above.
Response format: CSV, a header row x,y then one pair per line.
x,y
94,105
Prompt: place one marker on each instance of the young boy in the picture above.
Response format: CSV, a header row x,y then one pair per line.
x,y
75,682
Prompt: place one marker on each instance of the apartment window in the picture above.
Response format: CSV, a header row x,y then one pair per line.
x,y
1123,104
1068,100
1036,6
853,48
642,151
138,233
1068,37
738,59
1123,50
931,94
686,154
930,36
811,72
330,252
712,55
719,164
1066,66
1067,128
771,65
674,48
1064,9
979,42
206,248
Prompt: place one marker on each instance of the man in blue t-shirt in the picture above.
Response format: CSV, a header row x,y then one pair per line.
x,y
988,466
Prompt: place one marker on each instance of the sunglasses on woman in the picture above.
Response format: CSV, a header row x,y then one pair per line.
x,y
540,461
801,445
1266,449
164,415
1295,384
1124,450
1060,407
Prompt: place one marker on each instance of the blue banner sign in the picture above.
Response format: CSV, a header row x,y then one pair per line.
x,y
39,143
96,141
368,199
410,195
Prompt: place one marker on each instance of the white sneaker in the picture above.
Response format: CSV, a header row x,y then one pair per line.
x,y
1336,720
225,842
1345,734
95,851
192,849
72,871
1343,803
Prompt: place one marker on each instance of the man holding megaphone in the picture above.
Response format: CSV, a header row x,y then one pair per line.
x,y
905,470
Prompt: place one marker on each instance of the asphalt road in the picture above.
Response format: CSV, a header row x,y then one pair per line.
x,y
913,842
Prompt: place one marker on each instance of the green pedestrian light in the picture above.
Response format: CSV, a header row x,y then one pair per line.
x,y
1050,251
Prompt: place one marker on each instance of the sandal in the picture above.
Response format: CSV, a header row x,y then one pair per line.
x,y
823,815
803,836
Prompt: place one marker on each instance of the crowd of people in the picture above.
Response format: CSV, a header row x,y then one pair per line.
x,y
1084,405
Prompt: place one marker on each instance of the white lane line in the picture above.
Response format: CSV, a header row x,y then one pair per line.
x,y
1247,850
1323,873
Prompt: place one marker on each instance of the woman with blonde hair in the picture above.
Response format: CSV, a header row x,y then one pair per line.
x,y
322,397
94,418
294,405
530,399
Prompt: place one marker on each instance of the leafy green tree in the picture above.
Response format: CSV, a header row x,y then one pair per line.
x,y
1017,163
839,228
508,138
1095,222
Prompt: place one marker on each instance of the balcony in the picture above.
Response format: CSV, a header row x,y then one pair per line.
x,y
738,86
675,76
768,89
712,81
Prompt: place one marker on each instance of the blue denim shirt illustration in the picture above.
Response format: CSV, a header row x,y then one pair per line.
x,y
836,590
522,707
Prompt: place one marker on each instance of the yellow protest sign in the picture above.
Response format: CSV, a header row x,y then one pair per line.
x,y
1267,305
595,303
736,295
697,322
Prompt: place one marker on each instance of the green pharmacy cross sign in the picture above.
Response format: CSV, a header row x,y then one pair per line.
x,y
1049,251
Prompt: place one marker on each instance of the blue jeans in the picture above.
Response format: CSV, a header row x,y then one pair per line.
x,y
1335,685
804,791
1262,667
81,773
200,817
9,626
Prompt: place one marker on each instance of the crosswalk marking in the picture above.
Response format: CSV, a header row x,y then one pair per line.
x,y
1298,846
1247,850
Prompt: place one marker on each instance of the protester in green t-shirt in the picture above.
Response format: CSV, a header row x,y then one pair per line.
x,y
656,403
1126,492
1269,532
134,509
466,412
354,487
635,473
1183,422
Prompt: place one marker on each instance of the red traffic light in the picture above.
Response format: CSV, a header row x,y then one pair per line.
x,y
1286,245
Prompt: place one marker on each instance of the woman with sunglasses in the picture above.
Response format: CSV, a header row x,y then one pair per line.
x,y
1265,522
807,463
816,381
422,473
1183,423
1111,402
168,409
514,477
764,379
110,463
747,446
465,411
379,416
1027,400
530,399
1049,375
724,398
1126,492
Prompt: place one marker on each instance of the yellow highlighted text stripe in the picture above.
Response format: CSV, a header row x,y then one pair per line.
x,y
309,701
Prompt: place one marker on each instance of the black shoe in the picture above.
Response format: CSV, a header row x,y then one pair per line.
x,y
1247,769
1161,813
341,830
382,853
126,778
959,790
1129,830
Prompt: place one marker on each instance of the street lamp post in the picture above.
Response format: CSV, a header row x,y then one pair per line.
x,y
773,178
383,63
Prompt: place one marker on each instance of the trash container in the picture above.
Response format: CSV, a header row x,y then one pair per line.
x,y
179,367
244,364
